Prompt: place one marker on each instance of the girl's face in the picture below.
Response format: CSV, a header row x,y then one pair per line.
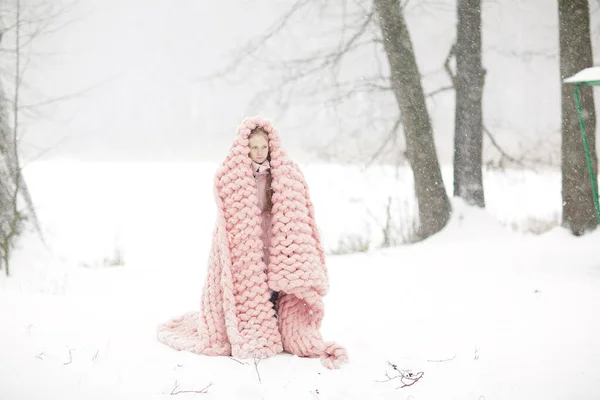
x,y
259,148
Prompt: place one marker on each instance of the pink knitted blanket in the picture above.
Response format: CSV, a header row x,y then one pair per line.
x,y
236,317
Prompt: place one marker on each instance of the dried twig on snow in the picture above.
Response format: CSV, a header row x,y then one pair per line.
x,y
237,361
256,361
406,377
447,359
202,391
70,356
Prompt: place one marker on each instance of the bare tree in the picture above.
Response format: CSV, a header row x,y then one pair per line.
x,y
468,83
16,205
434,205
575,55
10,172
366,28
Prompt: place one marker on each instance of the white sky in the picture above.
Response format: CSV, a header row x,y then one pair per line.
x,y
146,57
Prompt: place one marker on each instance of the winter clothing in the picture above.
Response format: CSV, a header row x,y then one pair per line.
x,y
261,173
236,316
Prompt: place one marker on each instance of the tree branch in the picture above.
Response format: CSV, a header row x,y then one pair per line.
x,y
439,90
447,68
70,357
445,360
502,152
452,76
389,138
293,71
201,391
256,361
406,378
251,47
237,361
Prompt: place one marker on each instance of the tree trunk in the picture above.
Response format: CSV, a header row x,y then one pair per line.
x,y
10,221
468,124
7,185
434,205
6,180
576,54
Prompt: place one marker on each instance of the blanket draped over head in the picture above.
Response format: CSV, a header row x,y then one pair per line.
x,y
236,317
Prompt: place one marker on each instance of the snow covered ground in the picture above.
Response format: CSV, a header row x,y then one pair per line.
x,y
482,310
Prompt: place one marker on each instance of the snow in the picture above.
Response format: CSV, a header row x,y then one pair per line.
x,y
484,311
591,74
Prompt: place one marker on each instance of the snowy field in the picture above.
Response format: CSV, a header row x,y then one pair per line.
x,y
480,311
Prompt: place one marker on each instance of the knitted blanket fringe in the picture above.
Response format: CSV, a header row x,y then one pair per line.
x,y
236,317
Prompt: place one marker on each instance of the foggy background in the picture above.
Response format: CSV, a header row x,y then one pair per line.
x,y
132,74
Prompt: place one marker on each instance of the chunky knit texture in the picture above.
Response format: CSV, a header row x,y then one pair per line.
x,y
236,317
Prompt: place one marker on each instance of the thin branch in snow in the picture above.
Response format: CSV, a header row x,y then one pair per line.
x,y
237,361
406,377
96,355
389,378
445,360
256,361
41,356
202,391
476,354
70,356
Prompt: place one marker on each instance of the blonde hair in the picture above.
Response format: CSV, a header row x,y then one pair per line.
x,y
258,131
269,202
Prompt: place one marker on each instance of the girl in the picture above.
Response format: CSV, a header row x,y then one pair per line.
x,y
266,276
259,154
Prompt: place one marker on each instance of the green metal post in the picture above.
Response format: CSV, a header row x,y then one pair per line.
x,y
587,153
